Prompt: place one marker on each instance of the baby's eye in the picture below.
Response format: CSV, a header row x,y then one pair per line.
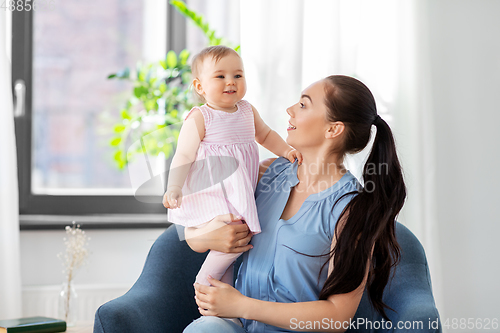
x,y
238,76
220,76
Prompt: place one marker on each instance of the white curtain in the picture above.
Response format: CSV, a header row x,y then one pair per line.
x,y
10,272
416,136
288,44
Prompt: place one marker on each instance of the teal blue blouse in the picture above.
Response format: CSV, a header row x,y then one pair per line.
x,y
276,269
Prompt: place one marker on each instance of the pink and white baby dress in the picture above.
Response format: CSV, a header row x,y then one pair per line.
x,y
224,175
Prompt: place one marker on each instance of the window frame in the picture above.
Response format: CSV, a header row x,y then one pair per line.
x,y
31,204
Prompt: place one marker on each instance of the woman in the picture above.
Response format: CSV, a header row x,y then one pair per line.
x,y
324,238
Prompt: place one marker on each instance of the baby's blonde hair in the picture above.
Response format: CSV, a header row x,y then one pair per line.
x,y
216,52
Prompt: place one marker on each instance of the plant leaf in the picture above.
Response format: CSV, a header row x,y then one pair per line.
x,y
116,141
125,114
196,19
162,87
150,105
140,91
119,128
183,57
123,74
171,59
118,156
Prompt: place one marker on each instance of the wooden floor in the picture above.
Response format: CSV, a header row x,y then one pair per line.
x,y
81,328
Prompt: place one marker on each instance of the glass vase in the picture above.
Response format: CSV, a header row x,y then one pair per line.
x,y
68,304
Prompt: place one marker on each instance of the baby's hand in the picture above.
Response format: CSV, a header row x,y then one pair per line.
x,y
173,197
294,154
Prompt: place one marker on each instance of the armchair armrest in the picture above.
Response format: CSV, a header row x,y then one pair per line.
x,y
162,299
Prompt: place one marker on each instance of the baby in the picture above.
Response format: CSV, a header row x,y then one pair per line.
x,y
215,167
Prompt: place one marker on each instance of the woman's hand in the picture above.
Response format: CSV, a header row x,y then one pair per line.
x,y
225,233
219,300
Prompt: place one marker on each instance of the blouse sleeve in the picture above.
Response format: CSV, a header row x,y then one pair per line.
x,y
275,174
338,206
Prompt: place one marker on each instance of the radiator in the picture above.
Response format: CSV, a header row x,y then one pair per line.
x,y
43,300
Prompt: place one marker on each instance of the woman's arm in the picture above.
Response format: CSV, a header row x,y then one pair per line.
x,y
331,315
220,236
224,301
272,141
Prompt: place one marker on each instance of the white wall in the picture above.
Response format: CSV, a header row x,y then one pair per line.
x,y
465,65
115,262
116,256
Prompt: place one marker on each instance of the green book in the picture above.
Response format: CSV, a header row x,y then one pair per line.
x,y
32,325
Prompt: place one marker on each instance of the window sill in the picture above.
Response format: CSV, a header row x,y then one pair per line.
x,y
108,221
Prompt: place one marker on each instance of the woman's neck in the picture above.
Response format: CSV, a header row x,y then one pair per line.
x,y
320,171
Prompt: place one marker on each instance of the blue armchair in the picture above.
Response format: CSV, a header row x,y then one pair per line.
x,y
162,299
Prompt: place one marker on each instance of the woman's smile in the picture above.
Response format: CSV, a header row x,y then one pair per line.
x,y
308,115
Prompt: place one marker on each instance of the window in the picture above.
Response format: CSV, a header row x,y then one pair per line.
x,y
62,54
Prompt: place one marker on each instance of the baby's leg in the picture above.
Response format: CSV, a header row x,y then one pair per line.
x,y
228,276
207,227
218,265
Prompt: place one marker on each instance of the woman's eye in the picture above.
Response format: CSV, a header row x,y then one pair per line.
x,y
302,105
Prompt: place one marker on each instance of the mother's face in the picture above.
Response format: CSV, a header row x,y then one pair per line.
x,y
308,123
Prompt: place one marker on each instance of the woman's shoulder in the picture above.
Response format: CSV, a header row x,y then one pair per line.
x,y
347,188
264,165
271,168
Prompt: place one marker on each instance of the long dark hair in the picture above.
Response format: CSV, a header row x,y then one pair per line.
x,y
368,220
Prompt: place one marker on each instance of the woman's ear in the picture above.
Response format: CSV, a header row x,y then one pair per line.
x,y
334,130
198,87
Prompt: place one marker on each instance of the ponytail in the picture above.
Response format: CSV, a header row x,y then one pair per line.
x,y
365,233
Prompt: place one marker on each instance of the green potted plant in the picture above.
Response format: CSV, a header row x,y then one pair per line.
x,y
159,97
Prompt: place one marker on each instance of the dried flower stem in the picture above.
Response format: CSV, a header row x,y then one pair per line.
x,y
74,258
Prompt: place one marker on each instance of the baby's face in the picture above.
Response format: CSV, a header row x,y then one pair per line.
x,y
222,83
